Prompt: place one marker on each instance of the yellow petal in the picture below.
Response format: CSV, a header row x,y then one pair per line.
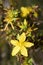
x,y
25,22
14,42
24,51
28,44
22,37
15,50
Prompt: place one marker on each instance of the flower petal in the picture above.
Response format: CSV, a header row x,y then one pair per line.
x,y
14,42
24,51
28,44
15,50
22,37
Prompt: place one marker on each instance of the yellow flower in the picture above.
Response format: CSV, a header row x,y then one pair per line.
x,y
24,11
20,45
9,18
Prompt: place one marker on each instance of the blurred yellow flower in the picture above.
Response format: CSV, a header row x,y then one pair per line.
x,y
24,11
9,18
20,45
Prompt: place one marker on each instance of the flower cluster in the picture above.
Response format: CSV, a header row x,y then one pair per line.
x,y
19,25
